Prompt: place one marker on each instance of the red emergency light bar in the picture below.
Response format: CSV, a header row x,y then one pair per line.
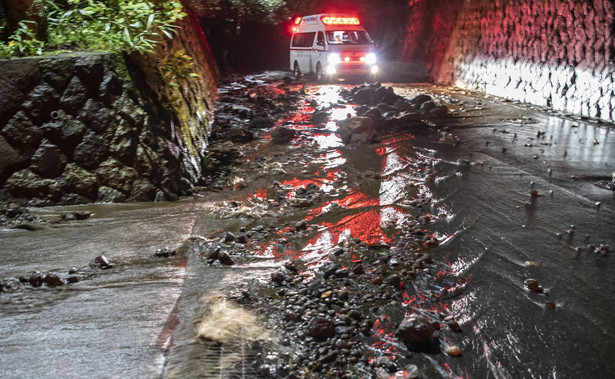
x,y
332,20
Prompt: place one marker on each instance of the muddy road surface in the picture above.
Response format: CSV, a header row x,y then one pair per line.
x,y
342,231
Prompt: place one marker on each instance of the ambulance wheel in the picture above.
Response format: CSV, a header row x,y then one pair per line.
x,y
320,75
296,71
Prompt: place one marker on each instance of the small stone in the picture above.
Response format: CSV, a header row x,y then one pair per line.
x,y
225,259
454,325
36,280
53,280
320,327
532,285
533,193
452,350
278,277
550,306
165,252
102,262
301,225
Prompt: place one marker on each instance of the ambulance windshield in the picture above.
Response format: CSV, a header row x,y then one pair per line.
x,y
348,37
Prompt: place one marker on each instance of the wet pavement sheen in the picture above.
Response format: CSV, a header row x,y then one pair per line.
x,y
140,318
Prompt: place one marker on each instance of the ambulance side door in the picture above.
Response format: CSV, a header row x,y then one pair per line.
x,y
319,55
301,51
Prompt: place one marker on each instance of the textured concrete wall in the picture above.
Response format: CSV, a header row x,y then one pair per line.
x,y
554,53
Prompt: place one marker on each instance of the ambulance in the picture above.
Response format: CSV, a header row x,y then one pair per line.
x,y
331,46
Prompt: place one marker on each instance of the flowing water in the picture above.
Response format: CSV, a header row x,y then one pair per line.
x,y
144,317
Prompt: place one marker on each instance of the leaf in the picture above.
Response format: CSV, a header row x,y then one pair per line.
x,y
150,21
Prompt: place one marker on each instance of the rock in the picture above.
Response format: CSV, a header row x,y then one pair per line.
x,y
110,195
533,193
65,131
300,225
403,105
452,350
19,76
438,111
53,280
21,133
320,327
342,273
282,135
426,107
319,117
78,180
48,161
393,280
417,333
239,183
142,190
225,259
532,285
228,237
54,73
25,183
238,135
356,129
329,269
102,262
261,123
454,325
291,266
550,305
10,159
110,88
42,100
36,279
419,100
74,96
165,252
95,115
278,277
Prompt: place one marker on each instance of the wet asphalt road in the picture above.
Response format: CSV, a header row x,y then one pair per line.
x,y
493,236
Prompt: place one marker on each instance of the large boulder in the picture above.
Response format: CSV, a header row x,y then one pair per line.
x,y
417,333
356,129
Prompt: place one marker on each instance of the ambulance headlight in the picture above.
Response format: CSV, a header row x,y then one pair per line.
x,y
334,58
370,58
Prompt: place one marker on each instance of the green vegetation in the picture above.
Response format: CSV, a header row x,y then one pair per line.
x,y
94,25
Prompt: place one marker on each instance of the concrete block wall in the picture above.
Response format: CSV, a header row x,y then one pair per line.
x,y
554,53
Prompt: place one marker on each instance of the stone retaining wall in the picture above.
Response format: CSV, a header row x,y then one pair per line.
x,y
80,128
553,53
